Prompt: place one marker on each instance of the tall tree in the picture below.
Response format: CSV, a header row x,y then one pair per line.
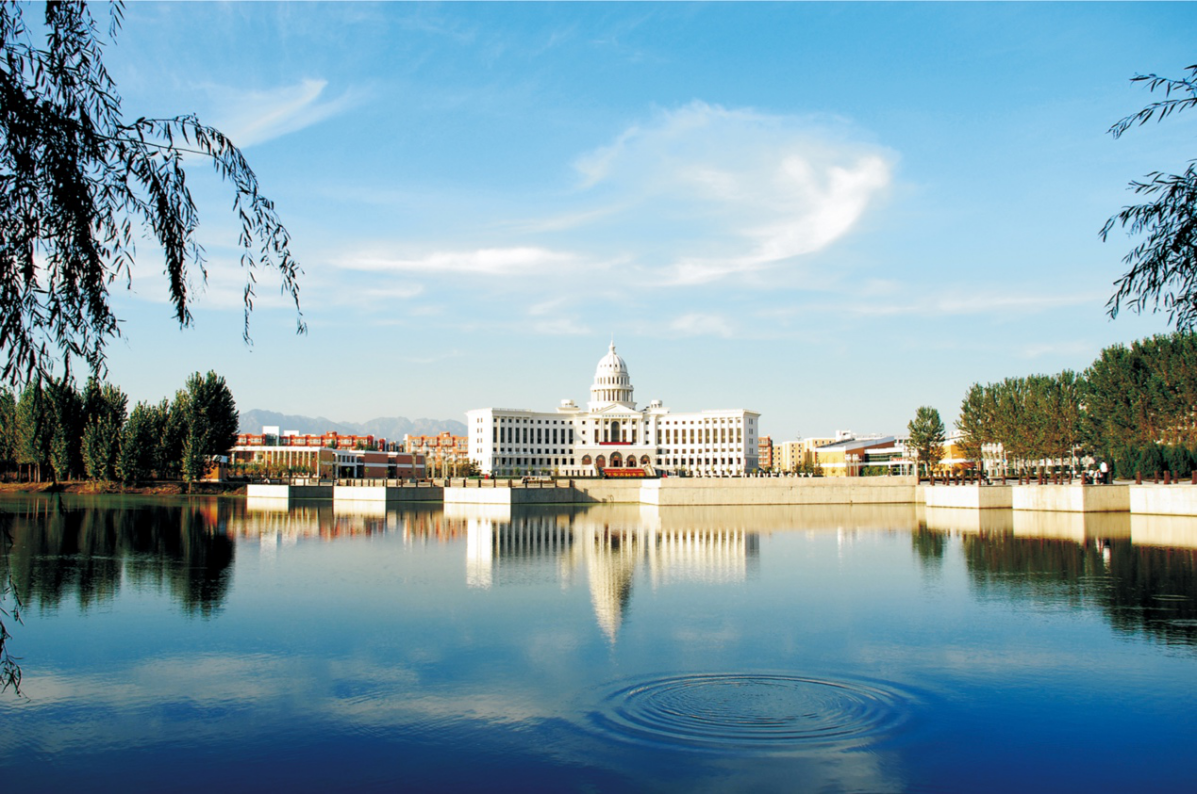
x,y
67,419
927,436
976,421
103,433
34,428
8,431
78,185
209,422
1163,265
139,444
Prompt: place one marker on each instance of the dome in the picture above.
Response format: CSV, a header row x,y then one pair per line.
x,y
612,383
611,364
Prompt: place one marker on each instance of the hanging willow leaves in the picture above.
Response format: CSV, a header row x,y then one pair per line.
x,y
1163,265
79,185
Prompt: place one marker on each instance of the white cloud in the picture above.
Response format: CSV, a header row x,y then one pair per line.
x,y
252,117
733,191
981,303
700,324
523,260
561,326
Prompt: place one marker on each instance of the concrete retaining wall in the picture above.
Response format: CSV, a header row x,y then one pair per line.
x,y
779,491
976,497
1072,498
261,491
1163,500
388,493
616,491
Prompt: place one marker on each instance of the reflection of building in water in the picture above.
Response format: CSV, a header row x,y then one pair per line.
x,y
608,545
325,521
611,564
705,556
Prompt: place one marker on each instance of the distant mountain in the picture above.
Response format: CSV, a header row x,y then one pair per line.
x,y
392,428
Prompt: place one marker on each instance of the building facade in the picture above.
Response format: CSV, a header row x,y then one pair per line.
x,y
444,452
764,453
327,457
610,433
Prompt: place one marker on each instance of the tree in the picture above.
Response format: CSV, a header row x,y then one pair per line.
x,y
8,431
79,184
1163,266
927,436
67,415
976,421
139,444
34,428
103,434
209,421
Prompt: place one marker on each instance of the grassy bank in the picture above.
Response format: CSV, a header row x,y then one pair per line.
x,y
143,489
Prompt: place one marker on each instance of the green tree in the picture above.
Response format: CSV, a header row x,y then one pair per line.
x,y
1163,264
8,431
34,428
927,436
103,433
209,420
976,421
78,184
67,415
139,444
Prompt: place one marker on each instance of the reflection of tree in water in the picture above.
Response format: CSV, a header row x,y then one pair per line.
x,y
1142,589
929,547
85,552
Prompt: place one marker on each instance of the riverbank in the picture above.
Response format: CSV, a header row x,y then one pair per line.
x,y
88,487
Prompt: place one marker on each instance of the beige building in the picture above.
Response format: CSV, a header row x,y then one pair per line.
x,y
444,452
799,455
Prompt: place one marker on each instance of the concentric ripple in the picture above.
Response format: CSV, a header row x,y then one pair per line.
x,y
760,712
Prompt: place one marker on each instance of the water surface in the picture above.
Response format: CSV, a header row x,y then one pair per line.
x,y
196,644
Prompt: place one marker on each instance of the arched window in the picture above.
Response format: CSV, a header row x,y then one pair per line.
x,y
585,460
601,462
615,461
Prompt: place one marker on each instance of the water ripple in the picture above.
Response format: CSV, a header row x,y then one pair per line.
x,y
749,712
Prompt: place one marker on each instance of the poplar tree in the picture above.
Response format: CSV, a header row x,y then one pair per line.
x,y
33,428
139,444
8,430
209,420
927,436
102,435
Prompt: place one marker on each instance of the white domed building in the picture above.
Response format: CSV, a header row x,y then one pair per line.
x,y
612,435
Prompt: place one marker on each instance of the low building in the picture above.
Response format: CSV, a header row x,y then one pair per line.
x,y
848,456
326,457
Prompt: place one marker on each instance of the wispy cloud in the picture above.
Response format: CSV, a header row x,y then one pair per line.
x,y
737,190
701,324
523,260
982,303
253,117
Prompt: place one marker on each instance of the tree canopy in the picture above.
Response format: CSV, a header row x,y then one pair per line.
x,y
927,434
79,185
1163,265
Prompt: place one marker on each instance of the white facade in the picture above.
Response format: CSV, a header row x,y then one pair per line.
x,y
611,433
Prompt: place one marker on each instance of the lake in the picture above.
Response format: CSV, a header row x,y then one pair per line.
x,y
198,645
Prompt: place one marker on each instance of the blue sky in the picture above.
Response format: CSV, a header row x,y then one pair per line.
x,y
828,213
